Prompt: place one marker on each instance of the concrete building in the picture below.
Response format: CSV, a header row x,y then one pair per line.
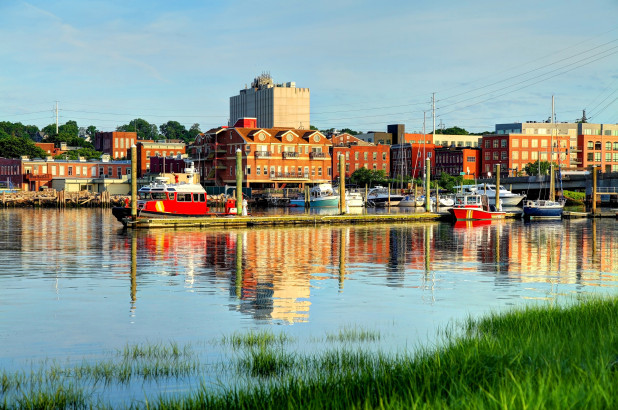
x,y
272,105
271,157
114,143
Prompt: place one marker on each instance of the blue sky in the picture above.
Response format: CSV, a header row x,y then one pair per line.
x,y
367,63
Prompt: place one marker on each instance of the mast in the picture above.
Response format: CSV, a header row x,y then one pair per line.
x,y
552,187
56,117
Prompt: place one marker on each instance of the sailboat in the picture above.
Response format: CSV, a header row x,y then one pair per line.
x,y
546,208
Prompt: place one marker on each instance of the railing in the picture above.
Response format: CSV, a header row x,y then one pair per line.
x,y
288,175
262,154
317,155
287,155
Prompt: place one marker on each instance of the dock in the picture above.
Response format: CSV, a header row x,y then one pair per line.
x,y
612,213
289,220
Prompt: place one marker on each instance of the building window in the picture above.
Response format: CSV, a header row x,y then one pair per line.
x,y
535,143
515,143
543,143
272,171
608,145
524,143
496,143
258,171
543,156
70,171
534,155
375,156
356,156
590,157
608,157
524,155
329,171
597,157
119,172
495,156
503,143
590,145
319,171
487,144
515,154
306,172
597,146
471,159
615,156
265,170
248,169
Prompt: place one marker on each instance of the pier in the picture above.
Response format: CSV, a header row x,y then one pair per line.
x,y
289,220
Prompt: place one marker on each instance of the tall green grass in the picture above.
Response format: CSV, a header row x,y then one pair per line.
x,y
538,357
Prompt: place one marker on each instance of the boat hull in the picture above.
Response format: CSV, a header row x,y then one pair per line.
x,y
544,212
475,214
317,203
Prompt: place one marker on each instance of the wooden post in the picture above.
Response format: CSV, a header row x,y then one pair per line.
x,y
239,258
133,183
238,181
552,184
415,193
427,185
389,194
498,207
341,185
307,197
594,190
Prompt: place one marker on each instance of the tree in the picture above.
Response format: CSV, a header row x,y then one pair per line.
x,y
193,132
87,153
15,147
145,130
313,128
453,131
18,129
364,176
532,168
349,131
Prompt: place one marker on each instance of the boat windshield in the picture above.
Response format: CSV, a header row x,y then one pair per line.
x,y
153,195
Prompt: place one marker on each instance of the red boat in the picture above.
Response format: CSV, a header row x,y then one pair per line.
x,y
163,200
474,207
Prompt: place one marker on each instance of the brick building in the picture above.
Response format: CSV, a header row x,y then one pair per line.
x,y
32,174
271,157
514,151
597,145
358,154
456,161
148,149
410,159
115,143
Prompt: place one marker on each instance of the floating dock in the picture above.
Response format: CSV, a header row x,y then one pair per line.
x,y
613,213
287,220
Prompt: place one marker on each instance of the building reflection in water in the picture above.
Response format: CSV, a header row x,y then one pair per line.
x,y
270,272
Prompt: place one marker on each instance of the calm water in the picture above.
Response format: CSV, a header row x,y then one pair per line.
x,y
75,286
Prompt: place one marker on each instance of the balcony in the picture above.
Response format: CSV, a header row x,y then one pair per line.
x,y
262,154
38,177
317,155
291,155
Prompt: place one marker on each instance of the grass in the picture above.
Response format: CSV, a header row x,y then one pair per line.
x,y
354,334
538,357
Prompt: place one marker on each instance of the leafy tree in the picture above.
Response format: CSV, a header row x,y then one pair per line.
x,y
314,128
173,130
15,147
88,153
18,129
349,131
193,132
145,130
91,130
532,168
364,176
453,131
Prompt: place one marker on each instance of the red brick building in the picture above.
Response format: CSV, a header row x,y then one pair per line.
x,y
410,159
358,154
147,149
115,143
271,157
599,151
456,160
32,174
514,151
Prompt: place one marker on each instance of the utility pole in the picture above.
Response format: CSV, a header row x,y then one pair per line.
x,y
56,117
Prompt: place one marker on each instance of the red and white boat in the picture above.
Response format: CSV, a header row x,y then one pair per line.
x,y
474,207
161,199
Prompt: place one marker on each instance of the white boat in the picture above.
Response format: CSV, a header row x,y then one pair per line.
x,y
407,201
507,198
321,195
379,196
354,199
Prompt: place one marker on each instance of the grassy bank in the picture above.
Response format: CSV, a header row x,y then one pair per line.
x,y
549,357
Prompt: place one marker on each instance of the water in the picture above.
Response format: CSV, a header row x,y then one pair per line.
x,y
75,286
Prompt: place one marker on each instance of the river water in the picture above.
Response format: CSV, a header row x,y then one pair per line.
x,y
75,285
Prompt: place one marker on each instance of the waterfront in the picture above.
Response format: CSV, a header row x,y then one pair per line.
x,y
75,285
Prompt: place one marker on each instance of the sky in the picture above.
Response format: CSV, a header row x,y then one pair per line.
x,y
367,63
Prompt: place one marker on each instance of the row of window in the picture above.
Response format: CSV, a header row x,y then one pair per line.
x,y
59,170
287,171
158,154
123,142
532,143
596,145
453,160
596,157
597,131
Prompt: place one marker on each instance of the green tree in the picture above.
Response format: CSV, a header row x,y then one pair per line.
x,y
532,168
15,147
91,130
364,176
349,131
88,153
314,128
18,129
173,130
144,129
453,131
192,134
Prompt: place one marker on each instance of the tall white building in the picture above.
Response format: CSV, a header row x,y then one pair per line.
x,y
273,105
